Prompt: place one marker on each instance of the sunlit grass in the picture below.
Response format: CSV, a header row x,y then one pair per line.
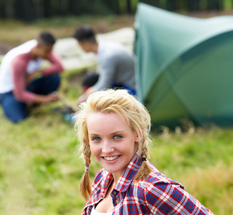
x,y
200,160
52,184
213,186
40,168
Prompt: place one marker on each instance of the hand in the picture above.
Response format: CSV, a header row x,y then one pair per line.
x,y
85,95
31,76
52,97
81,99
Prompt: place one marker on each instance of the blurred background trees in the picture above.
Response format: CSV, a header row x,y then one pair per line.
x,y
31,10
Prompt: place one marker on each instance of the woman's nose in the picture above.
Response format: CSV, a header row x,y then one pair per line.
x,y
107,147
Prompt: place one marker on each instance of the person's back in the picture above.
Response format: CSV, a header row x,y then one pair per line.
x,y
116,66
6,82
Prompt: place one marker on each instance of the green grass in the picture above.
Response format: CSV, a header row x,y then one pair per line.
x,y
202,162
40,168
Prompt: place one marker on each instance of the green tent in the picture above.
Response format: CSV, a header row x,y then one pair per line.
x,y
184,67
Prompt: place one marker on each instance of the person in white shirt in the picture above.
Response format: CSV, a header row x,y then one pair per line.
x,y
19,84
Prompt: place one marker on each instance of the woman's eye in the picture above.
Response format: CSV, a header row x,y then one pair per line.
x,y
117,137
95,139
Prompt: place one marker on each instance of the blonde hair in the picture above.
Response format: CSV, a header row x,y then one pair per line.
x,y
124,104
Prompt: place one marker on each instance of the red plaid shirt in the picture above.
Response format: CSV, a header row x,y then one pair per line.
x,y
156,194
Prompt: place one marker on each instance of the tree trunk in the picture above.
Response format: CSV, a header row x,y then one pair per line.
x,y
2,9
117,7
28,10
213,5
9,9
47,8
193,5
73,7
171,5
62,8
128,6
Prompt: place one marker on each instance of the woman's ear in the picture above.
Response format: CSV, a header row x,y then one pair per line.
x,y
138,137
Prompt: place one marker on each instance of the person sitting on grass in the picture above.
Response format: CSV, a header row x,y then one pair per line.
x,y
114,127
18,82
116,64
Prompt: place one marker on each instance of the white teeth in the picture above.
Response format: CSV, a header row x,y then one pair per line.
x,y
110,158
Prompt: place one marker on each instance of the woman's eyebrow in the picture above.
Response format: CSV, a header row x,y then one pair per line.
x,y
116,132
93,134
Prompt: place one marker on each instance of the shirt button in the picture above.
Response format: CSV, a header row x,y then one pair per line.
x,y
114,192
117,201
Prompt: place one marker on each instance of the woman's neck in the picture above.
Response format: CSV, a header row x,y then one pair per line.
x,y
117,175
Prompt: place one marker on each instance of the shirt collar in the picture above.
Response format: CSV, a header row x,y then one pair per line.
x,y
128,175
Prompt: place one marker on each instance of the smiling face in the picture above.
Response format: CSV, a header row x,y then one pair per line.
x,y
112,141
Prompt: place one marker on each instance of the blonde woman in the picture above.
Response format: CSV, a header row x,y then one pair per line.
x,y
114,127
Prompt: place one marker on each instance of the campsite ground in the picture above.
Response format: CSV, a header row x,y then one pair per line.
x,y
40,167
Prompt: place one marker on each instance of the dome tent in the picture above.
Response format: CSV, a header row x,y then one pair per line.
x,y
184,67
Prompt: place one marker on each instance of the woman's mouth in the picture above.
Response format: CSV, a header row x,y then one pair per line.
x,y
111,158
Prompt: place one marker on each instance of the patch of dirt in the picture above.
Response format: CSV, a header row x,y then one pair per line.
x,y
208,14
